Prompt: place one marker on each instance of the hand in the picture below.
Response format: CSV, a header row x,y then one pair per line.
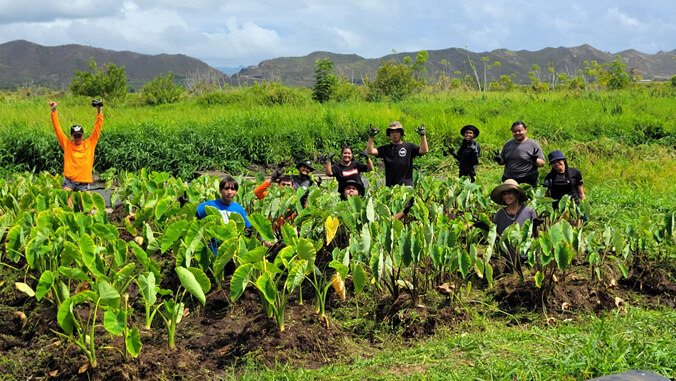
x,y
53,105
537,221
318,181
496,156
276,174
481,225
421,130
408,205
329,157
364,154
534,155
373,131
451,151
182,199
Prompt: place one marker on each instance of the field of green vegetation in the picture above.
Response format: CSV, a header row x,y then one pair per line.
x,y
135,291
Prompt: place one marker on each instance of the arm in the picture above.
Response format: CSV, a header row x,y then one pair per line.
x,y
423,145
580,192
369,165
60,136
540,162
261,190
370,149
328,171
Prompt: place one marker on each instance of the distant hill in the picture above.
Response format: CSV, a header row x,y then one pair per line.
x,y
24,63
298,71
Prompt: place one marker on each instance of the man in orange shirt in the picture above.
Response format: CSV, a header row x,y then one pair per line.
x,y
78,154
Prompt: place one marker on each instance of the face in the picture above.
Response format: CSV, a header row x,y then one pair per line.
x,y
283,184
304,170
559,165
77,139
469,135
519,133
228,194
346,155
510,197
350,191
395,136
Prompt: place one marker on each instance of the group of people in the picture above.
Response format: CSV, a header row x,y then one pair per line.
x,y
520,156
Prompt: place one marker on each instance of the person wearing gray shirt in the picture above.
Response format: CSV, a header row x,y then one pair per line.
x,y
521,157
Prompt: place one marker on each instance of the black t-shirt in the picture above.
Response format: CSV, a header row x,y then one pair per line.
x,y
343,173
398,162
559,184
301,182
468,157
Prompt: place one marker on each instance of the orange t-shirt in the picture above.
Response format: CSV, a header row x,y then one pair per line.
x,y
78,161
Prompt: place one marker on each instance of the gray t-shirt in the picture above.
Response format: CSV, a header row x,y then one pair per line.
x,y
518,163
502,219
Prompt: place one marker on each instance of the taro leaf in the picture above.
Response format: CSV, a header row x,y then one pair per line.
x,y
222,233
14,243
193,238
120,250
139,253
240,279
562,254
253,256
370,211
263,226
340,268
365,239
267,288
464,262
489,274
191,284
201,278
405,251
88,202
99,202
479,268
108,294
65,316
358,277
162,207
331,226
173,233
23,287
296,275
115,321
539,277
377,264
124,273
289,235
226,252
133,342
73,273
88,250
44,284
306,250
147,287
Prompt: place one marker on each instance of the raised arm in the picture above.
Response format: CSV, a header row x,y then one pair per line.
x,y
423,140
369,146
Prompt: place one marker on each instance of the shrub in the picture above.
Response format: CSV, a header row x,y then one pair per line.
x,y
325,81
161,90
109,82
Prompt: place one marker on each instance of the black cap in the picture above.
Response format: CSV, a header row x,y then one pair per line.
x,y
306,163
357,184
77,130
471,128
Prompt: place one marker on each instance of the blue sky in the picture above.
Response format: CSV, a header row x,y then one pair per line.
x,y
244,32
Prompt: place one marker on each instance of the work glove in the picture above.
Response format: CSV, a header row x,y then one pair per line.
x,y
496,156
329,157
480,224
534,155
408,205
276,174
451,151
364,154
373,131
421,130
182,199
318,181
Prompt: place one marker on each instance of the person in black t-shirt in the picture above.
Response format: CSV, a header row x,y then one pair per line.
x,y
562,179
398,155
469,152
348,169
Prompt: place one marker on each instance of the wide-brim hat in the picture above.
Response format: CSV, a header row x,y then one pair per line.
x,y
77,130
306,163
556,155
509,184
357,184
471,128
395,126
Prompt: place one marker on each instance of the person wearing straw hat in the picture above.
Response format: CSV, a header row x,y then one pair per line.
x,y
469,152
398,155
513,198
563,180
78,154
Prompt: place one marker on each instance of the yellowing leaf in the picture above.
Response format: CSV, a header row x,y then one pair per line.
x,y
21,316
338,286
331,226
26,289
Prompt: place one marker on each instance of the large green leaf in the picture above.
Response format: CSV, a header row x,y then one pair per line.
x,y
147,287
201,278
108,294
358,277
88,250
226,252
70,254
115,321
263,226
464,262
133,342
191,284
44,284
99,202
370,211
74,273
377,264
306,250
173,233
296,275
65,316
240,279
267,288
539,277
193,238
162,206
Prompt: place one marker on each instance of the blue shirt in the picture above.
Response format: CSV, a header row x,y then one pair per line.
x,y
224,209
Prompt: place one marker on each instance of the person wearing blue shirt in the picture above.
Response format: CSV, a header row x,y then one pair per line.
x,y
228,189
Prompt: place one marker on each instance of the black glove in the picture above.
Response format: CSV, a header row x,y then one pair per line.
x,y
373,131
480,224
329,157
537,221
276,174
421,130
496,156
183,199
318,181
534,155
408,205
303,199
364,154
451,151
